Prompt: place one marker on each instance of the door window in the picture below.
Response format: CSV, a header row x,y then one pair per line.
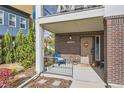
x,y
97,48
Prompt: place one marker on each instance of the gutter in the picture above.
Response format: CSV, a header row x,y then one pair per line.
x,y
29,80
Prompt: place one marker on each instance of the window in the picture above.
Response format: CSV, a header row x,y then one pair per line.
x,y
12,20
1,17
97,48
22,23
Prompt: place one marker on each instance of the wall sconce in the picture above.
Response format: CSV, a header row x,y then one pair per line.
x,y
70,37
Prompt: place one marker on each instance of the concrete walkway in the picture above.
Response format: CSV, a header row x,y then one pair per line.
x,y
85,76
82,84
78,83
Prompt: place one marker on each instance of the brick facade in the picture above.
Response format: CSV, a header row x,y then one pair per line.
x,y
62,46
114,49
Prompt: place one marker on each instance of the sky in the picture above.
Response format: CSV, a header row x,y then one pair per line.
x,y
48,10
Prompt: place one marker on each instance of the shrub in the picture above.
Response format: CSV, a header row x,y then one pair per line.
x,y
18,46
0,55
7,48
26,63
5,75
19,38
25,51
14,70
8,58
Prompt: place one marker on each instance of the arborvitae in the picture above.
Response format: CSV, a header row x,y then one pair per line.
x,y
18,46
8,59
1,55
7,48
25,48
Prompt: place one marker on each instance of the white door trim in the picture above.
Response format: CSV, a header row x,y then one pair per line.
x,y
99,48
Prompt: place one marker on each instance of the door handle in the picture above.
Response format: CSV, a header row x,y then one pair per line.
x,y
92,51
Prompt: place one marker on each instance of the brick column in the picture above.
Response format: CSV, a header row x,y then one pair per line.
x,y
114,35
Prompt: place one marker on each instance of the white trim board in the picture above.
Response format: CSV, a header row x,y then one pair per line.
x,y
72,16
9,19
2,17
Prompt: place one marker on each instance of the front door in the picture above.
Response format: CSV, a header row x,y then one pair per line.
x,y
86,48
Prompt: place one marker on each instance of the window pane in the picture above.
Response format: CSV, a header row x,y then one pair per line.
x,y
12,19
23,23
97,48
1,17
0,21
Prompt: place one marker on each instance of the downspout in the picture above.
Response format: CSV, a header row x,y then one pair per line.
x,y
29,80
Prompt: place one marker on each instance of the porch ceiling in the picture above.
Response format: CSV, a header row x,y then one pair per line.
x,y
82,25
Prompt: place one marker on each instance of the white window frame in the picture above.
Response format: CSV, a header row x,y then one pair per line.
x,y
9,19
99,48
20,23
2,17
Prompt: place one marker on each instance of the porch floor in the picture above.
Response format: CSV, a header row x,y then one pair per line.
x,y
82,84
85,77
86,73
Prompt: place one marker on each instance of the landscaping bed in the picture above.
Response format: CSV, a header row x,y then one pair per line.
x,y
23,76
12,75
41,82
49,82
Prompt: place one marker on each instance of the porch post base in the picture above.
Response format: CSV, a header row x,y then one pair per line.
x,y
115,85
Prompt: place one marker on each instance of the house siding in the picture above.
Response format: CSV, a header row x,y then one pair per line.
x,y
13,30
115,49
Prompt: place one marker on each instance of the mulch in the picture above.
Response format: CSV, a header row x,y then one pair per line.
x,y
34,84
48,84
16,81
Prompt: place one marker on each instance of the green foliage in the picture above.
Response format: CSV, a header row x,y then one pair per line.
x,y
49,44
18,46
21,50
26,63
0,55
30,45
7,48
7,40
8,59
25,49
19,39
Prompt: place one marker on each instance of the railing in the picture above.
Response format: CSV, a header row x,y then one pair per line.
x,y
52,10
59,65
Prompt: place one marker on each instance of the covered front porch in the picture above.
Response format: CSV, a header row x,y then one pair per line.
x,y
79,42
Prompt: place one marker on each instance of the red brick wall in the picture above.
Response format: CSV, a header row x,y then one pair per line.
x,y
115,49
62,46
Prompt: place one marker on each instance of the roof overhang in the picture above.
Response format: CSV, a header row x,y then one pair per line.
x,y
82,25
90,20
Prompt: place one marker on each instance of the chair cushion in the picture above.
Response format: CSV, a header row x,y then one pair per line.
x,y
60,58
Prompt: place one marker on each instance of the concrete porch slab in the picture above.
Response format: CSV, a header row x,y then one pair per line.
x,y
78,83
82,84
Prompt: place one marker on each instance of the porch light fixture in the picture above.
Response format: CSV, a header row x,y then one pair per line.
x,y
70,37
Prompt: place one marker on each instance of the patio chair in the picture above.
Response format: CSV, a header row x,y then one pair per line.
x,y
59,59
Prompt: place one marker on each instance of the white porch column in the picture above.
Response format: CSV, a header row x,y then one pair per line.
x,y
39,42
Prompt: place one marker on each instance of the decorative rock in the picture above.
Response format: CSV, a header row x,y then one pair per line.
x,y
56,83
42,81
21,75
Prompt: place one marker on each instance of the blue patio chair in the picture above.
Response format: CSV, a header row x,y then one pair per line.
x,y
58,59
